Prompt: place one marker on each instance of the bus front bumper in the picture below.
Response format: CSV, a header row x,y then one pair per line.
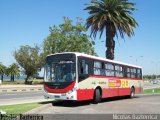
x,y
61,96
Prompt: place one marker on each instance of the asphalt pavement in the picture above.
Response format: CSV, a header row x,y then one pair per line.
x,y
8,98
141,104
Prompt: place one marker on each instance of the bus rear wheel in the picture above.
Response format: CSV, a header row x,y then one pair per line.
x,y
132,93
97,96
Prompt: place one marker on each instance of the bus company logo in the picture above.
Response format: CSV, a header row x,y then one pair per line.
x,y
56,87
93,83
102,83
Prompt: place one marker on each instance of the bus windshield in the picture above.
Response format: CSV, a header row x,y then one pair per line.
x,y
62,71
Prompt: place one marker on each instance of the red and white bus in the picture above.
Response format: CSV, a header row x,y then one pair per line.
x,y
77,76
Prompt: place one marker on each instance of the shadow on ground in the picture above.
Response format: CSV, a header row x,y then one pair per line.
x,y
85,103
46,102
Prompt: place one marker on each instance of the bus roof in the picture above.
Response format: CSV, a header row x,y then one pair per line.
x,y
98,58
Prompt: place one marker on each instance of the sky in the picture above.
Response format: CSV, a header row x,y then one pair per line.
x,y
27,22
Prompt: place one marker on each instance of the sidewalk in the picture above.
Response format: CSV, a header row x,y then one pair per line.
x,y
20,88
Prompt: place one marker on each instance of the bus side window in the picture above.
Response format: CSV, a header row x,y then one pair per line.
x,y
83,68
118,71
125,71
133,73
139,73
109,69
128,72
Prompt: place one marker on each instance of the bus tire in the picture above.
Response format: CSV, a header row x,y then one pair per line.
x,y
97,96
132,93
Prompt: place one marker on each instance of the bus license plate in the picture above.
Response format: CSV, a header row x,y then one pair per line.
x,y
57,96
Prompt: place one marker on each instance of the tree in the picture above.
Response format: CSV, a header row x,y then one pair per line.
x,y
30,59
13,70
114,16
153,76
68,38
2,70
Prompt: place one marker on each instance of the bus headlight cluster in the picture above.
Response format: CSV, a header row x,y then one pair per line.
x,y
74,89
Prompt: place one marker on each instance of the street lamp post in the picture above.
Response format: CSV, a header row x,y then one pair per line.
x,y
156,67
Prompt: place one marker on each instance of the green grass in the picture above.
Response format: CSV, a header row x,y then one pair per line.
x,y
20,108
37,81
149,91
8,82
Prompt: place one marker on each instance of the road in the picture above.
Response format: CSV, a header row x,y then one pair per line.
x,y
142,104
8,98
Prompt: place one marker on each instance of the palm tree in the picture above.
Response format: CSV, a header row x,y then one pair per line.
x,y
113,16
2,70
13,71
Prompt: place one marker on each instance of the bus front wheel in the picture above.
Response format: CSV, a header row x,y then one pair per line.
x,y
97,96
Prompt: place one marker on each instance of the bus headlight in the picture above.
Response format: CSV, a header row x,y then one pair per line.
x,y
70,91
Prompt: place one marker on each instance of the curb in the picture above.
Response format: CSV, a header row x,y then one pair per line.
x,y
150,94
21,90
